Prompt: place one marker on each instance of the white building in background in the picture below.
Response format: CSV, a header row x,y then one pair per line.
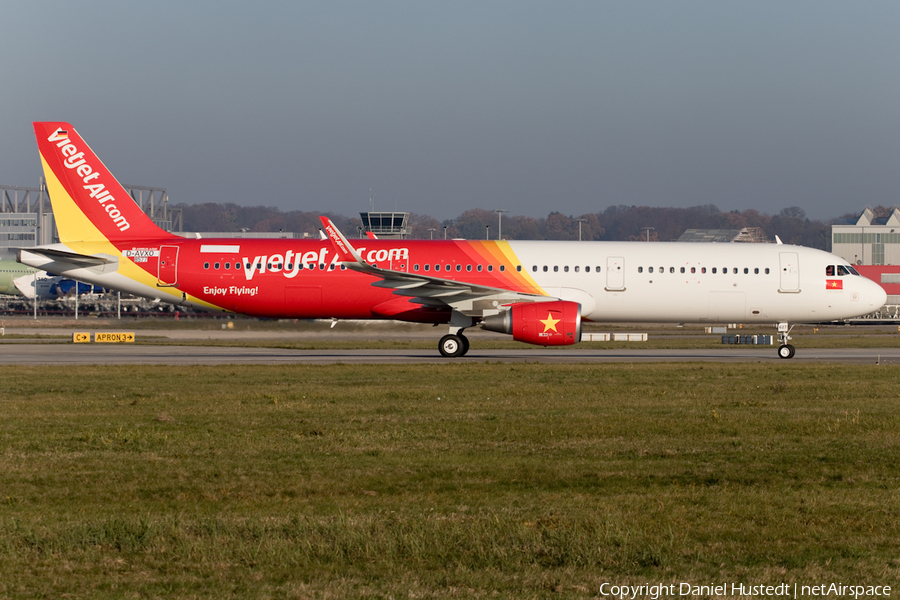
x,y
867,240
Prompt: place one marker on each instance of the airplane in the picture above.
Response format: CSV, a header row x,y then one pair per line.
x,y
10,271
540,292
17,279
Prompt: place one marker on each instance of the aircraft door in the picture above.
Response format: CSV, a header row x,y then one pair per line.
x,y
790,272
615,273
167,275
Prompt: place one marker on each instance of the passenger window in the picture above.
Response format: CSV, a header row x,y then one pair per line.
x,y
587,269
693,269
829,271
545,268
756,271
427,267
767,270
437,267
735,271
598,269
206,265
290,266
469,268
227,266
650,270
458,268
490,268
518,268
703,269
555,269
640,269
746,270
576,268
672,269
415,267
714,270
502,268
566,269
534,268
480,268
216,266
447,267
682,269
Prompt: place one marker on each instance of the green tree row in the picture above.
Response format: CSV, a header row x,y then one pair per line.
x,y
615,223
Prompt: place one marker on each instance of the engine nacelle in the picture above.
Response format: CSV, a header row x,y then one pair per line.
x,y
556,323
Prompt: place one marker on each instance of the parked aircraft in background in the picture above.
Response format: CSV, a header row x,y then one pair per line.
x,y
537,291
11,270
17,279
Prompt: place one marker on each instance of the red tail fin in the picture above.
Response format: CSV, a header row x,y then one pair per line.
x,y
89,204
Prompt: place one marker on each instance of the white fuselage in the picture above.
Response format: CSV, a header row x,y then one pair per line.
x,y
698,282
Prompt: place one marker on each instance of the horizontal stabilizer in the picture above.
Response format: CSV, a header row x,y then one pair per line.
x,y
70,257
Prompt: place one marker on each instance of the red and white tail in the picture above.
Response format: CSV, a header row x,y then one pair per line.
x,y
88,202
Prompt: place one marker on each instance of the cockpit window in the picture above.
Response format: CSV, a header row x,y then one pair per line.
x,y
829,271
842,270
854,271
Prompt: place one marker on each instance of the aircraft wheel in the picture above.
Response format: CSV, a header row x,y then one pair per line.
x,y
786,351
465,342
452,345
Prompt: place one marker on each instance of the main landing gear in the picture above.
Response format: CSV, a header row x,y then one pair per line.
x,y
785,350
453,345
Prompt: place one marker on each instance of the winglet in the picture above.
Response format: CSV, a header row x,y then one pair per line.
x,y
778,240
346,252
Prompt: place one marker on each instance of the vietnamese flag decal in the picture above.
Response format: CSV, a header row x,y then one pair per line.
x,y
834,284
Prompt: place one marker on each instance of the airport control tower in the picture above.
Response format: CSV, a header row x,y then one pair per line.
x,y
386,225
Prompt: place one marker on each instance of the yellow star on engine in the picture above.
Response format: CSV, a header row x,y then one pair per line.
x,y
550,323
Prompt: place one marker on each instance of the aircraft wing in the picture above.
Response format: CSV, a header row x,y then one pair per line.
x,y
427,290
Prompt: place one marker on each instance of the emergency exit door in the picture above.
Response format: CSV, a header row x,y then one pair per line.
x,y
615,273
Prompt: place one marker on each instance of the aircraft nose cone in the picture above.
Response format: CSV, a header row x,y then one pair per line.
x,y
873,295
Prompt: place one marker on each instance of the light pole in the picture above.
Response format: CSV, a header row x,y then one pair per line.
x,y
445,231
580,221
648,231
487,232
500,212
431,232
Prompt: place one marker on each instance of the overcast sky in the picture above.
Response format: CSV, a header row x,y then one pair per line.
x,y
443,106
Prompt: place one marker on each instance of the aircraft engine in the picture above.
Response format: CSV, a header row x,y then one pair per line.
x,y
556,323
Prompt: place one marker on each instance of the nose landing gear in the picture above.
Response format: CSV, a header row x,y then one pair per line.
x,y
785,350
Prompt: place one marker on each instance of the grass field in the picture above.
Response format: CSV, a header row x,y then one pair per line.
x,y
475,480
